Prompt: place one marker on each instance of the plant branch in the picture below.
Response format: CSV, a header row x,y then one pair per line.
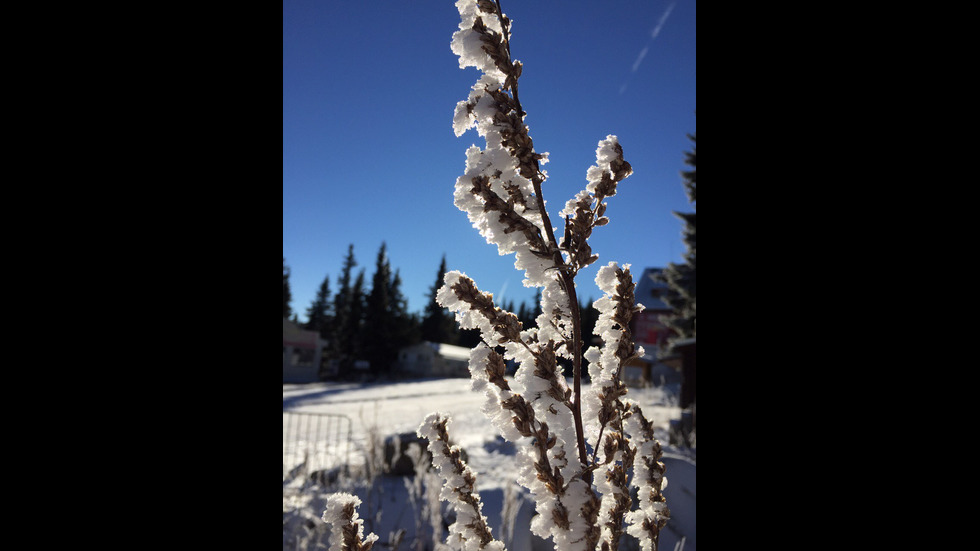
x,y
566,278
505,26
569,285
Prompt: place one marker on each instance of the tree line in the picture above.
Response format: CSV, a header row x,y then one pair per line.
x,y
371,324
682,278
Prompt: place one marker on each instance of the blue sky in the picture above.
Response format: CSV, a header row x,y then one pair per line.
x,y
369,154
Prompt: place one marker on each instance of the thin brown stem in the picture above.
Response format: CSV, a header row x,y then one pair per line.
x,y
595,450
569,285
506,36
567,279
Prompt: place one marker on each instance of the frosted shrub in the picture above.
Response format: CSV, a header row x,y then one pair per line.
x,y
579,453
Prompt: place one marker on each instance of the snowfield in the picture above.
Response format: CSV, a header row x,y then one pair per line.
x,y
382,410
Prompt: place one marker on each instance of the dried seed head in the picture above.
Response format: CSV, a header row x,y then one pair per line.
x,y
560,515
496,369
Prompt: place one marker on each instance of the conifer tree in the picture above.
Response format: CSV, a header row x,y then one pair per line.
x,y
407,327
523,316
681,279
287,297
380,317
345,326
357,341
399,303
319,314
438,325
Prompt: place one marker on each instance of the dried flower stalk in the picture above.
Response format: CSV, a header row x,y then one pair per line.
x,y
501,193
347,529
582,500
652,515
470,531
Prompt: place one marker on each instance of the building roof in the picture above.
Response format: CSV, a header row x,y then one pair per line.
x,y
293,335
690,342
452,352
649,289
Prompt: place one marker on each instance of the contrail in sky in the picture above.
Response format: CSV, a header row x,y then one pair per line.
x,y
653,34
663,19
643,53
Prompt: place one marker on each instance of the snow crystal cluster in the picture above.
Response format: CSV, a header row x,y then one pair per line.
x,y
652,514
346,527
606,155
470,532
606,364
468,44
496,191
536,411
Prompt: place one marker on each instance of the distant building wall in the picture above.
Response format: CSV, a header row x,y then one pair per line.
x,y
651,332
429,359
301,354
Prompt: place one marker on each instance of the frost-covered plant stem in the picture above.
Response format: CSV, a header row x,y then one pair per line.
x,y
501,194
646,522
576,368
470,531
346,528
567,280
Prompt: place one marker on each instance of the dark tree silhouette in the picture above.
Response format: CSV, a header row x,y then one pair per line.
x,y
287,297
682,279
320,313
438,325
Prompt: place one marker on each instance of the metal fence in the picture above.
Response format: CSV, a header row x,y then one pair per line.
x,y
314,442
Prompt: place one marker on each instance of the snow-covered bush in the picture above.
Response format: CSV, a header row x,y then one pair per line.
x,y
579,453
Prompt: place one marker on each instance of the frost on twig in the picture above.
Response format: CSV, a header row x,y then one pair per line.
x,y
587,209
652,515
346,527
537,411
500,189
576,450
603,403
470,532
606,363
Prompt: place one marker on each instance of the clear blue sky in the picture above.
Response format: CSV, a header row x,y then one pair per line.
x,y
369,154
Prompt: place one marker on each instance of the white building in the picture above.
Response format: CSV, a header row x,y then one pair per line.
x,y
430,359
301,354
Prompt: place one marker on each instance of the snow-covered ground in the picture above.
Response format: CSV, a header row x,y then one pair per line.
x,y
379,410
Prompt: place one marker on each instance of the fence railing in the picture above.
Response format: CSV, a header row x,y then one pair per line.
x,y
314,442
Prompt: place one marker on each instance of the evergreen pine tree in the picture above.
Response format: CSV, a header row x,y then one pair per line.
x,y
407,328
344,327
318,315
681,279
380,346
287,297
438,325
357,341
536,310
